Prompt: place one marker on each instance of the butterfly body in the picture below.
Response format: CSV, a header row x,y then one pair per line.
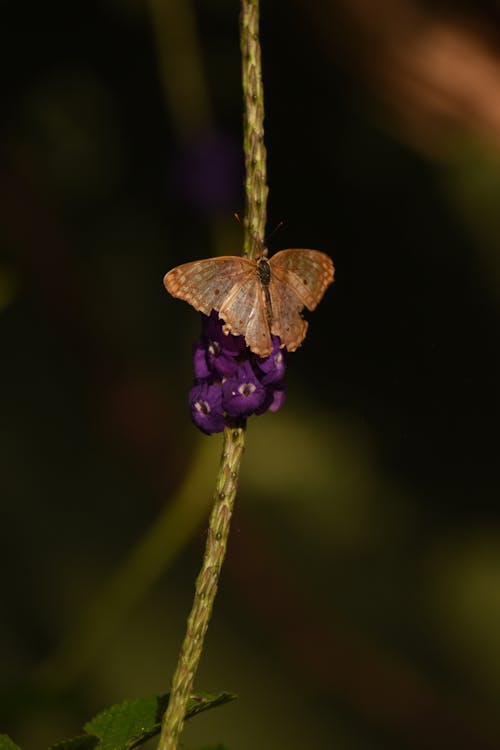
x,y
264,272
256,299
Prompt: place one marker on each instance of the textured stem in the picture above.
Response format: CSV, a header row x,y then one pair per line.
x,y
256,189
234,438
205,589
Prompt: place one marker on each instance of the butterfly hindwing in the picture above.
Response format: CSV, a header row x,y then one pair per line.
x,y
287,322
258,334
244,312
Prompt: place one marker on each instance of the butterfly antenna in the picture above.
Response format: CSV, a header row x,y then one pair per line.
x,y
273,232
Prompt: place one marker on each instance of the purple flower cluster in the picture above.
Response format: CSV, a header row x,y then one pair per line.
x,y
232,383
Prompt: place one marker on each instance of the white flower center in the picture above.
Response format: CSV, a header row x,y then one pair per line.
x,y
246,389
202,407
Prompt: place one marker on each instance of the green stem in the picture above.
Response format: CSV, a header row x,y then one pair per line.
x,y
205,589
256,189
234,438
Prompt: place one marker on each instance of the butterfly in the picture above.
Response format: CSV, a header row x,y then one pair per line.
x,y
256,298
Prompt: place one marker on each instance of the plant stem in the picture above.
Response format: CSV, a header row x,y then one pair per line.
x,y
205,589
256,189
234,438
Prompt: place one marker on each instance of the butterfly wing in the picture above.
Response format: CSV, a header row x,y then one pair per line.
x,y
287,322
245,312
230,285
299,279
308,272
208,284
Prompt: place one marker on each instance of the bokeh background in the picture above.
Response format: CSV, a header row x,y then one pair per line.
x,y
359,607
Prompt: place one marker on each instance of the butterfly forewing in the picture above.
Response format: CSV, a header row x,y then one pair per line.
x,y
206,284
308,272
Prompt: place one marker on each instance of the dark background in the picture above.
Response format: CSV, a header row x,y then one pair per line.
x,y
360,602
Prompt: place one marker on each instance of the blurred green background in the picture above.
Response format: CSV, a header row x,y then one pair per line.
x,y
359,606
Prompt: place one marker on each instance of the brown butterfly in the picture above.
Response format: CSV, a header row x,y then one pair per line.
x,y
256,298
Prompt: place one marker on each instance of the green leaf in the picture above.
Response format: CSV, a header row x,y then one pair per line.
x,y
82,742
213,747
7,744
127,725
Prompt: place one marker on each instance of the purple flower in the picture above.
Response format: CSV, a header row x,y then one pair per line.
x,y
278,399
205,401
200,365
221,362
222,349
274,365
274,400
212,328
242,394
